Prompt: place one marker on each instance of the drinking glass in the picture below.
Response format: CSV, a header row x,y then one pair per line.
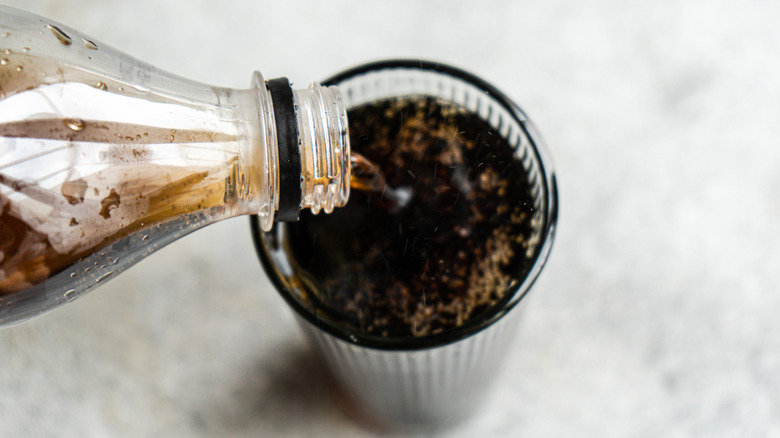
x,y
438,379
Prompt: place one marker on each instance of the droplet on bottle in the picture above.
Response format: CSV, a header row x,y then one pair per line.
x,y
25,49
4,61
8,51
6,33
101,86
61,36
141,89
70,295
19,68
74,124
89,44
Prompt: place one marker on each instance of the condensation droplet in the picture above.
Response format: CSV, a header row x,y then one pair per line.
x,y
89,44
8,51
70,295
25,49
104,276
101,86
19,68
145,236
141,89
6,33
61,36
4,61
74,124
72,275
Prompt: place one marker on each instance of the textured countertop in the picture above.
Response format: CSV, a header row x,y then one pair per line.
x,y
656,315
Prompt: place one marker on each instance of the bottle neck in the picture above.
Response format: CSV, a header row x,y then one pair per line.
x,y
324,147
299,155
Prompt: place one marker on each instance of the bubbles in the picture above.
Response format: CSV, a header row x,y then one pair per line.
x,y
89,44
63,38
141,89
74,124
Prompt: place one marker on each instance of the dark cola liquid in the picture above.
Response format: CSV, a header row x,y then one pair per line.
x,y
435,232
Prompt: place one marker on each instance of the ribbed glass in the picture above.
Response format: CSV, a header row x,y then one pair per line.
x,y
418,388
431,380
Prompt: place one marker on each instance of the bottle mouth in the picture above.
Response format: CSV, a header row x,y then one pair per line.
x,y
323,142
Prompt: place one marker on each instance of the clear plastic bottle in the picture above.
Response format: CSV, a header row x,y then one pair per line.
x,y
104,159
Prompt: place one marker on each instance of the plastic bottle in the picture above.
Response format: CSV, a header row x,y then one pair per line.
x,y
105,159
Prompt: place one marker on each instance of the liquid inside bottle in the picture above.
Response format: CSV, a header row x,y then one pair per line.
x,y
76,176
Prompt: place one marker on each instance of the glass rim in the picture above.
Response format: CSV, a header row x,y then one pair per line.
x,y
513,295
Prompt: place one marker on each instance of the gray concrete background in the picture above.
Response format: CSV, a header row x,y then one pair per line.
x,y
656,315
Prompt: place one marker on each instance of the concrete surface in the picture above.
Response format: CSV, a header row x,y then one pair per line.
x,y
656,315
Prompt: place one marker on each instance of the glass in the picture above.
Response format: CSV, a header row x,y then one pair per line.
x,y
436,379
105,159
